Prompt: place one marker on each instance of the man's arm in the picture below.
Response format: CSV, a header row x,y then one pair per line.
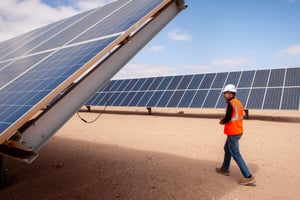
x,y
228,114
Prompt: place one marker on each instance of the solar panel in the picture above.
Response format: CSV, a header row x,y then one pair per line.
x,y
43,72
257,89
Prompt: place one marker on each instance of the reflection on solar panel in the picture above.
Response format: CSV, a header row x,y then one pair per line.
x,y
261,89
63,58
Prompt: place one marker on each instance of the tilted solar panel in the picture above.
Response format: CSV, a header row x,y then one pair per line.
x,y
257,89
40,68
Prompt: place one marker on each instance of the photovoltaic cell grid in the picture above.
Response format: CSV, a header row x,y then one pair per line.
x,y
36,65
257,89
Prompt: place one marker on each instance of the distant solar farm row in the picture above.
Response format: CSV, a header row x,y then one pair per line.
x,y
257,89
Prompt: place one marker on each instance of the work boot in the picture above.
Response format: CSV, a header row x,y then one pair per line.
x,y
221,171
247,181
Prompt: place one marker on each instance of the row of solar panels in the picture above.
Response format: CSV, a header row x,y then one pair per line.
x,y
36,66
257,89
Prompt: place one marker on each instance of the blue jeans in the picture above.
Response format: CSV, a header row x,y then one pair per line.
x,y
232,149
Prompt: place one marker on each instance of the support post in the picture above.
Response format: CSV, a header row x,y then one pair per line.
x,y
246,114
149,110
2,172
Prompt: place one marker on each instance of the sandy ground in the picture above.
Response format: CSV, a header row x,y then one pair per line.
x,y
125,156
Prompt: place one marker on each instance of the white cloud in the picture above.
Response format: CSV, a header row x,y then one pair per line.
x,y
90,4
291,1
157,48
143,70
179,35
17,17
197,69
232,62
290,51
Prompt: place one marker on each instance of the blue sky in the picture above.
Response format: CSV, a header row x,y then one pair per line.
x,y
209,36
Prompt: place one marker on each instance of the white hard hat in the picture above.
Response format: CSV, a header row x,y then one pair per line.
x,y
229,88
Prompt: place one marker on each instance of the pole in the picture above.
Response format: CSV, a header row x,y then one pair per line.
x,y
2,174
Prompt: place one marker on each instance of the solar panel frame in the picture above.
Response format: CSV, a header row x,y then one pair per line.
x,y
156,83
292,77
66,83
246,79
290,98
272,100
261,78
219,80
165,98
153,101
175,99
199,99
185,81
207,81
145,99
196,91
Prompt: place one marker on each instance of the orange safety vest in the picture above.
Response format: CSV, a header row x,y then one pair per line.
x,y
235,126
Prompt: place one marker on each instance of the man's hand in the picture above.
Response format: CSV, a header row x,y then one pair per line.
x,y
221,122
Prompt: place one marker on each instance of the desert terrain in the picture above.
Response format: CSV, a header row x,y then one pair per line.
x,y
171,154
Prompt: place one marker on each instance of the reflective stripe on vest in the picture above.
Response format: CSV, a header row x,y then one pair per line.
x,y
237,112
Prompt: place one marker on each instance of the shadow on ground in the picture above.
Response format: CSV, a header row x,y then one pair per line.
x,y
72,169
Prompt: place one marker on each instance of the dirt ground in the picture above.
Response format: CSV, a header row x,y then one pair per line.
x,y
159,157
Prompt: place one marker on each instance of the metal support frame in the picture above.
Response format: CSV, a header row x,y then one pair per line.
x,y
34,137
246,114
149,110
2,172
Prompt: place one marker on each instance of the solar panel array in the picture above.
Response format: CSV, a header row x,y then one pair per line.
x,y
37,66
257,89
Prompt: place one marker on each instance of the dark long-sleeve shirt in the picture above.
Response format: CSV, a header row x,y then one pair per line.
x,y
228,114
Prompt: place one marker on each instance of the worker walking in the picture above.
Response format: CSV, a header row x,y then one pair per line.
x,y
233,128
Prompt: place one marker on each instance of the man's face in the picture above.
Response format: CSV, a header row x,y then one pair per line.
x,y
228,95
